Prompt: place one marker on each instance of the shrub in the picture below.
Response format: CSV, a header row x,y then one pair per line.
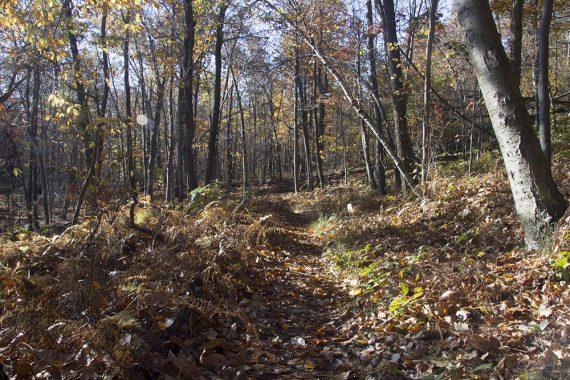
x,y
201,196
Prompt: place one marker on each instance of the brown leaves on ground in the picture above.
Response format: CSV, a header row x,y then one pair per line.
x,y
445,288
241,290
102,299
228,295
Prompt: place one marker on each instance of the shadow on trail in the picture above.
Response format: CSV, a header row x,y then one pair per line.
x,y
280,210
301,316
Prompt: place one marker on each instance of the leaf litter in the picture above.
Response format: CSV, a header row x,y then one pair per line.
x,y
243,290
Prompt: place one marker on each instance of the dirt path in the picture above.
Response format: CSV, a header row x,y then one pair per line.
x,y
302,318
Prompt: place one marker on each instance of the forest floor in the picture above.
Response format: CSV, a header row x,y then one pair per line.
x,y
302,316
338,283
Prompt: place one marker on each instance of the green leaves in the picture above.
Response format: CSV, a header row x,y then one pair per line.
x,y
483,366
405,289
560,265
400,303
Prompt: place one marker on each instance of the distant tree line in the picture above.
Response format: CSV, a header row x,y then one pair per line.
x,y
106,101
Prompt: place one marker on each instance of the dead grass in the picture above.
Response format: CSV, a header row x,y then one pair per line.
x,y
102,299
438,288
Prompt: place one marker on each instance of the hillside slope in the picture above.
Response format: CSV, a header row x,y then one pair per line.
x,y
338,283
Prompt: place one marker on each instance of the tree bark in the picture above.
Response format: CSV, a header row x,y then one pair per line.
x,y
229,138
275,135
34,151
515,38
399,95
83,119
537,199
89,140
305,130
129,119
363,132
71,179
83,191
242,133
302,104
106,77
379,119
427,91
543,87
188,100
99,136
215,120
169,136
154,137
180,177
319,120
295,134
41,153
37,164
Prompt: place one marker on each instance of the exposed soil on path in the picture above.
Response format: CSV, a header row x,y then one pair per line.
x,y
302,316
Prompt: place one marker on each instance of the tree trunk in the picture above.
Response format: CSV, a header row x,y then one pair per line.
x,y
189,104
363,134
229,152
215,120
319,120
103,109
83,119
154,137
129,120
106,76
181,125
83,191
146,111
169,186
354,103
543,87
32,134
302,103
515,38
305,130
427,91
343,139
399,95
295,134
41,154
379,120
89,141
537,199
275,135
37,164
256,138
242,133
71,179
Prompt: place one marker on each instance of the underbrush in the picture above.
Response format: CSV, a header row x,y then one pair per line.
x,y
201,197
103,300
483,162
446,287
436,289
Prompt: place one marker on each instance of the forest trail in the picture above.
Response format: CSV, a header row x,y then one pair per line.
x,y
302,318
285,286
281,312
